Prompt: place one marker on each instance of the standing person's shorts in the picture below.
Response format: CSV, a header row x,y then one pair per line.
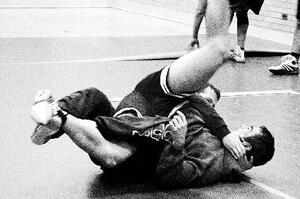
x,y
245,5
237,5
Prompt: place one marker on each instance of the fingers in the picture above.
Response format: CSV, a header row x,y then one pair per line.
x,y
182,117
238,151
251,160
179,120
245,163
241,150
234,153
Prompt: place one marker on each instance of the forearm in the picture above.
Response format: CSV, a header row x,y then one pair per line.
x,y
212,119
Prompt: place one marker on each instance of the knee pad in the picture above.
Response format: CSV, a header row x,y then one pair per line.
x,y
242,18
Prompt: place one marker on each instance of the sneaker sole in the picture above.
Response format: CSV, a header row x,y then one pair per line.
x,y
276,72
40,135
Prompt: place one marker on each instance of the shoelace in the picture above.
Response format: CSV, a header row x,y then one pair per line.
x,y
287,57
287,67
238,52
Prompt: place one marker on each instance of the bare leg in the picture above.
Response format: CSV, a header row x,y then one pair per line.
x,y
242,27
192,71
85,135
241,35
296,42
217,17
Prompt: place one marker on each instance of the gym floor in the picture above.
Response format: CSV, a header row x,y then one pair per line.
x,y
70,49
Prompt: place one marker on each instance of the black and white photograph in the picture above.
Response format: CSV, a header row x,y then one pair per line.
x,y
150,99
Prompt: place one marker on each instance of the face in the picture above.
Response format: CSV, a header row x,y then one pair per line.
x,y
210,95
247,131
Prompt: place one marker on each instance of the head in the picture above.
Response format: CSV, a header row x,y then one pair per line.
x,y
211,94
258,142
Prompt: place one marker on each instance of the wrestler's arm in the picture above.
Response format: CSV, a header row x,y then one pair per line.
x,y
212,119
218,126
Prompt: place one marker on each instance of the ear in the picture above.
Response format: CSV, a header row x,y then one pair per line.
x,y
247,146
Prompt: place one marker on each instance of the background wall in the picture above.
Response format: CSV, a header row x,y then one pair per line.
x,y
275,14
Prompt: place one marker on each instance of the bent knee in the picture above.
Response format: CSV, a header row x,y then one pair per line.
x,y
103,161
221,45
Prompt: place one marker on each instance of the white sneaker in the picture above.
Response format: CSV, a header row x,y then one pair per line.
x,y
238,54
288,66
43,110
44,107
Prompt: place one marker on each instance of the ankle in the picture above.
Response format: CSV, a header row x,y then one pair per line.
x,y
56,120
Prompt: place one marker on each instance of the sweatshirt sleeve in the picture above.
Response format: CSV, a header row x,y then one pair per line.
x,y
212,119
175,169
179,168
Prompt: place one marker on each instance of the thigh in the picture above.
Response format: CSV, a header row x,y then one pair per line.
x,y
201,6
191,72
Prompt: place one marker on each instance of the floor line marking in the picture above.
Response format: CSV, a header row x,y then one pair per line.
x,y
238,94
268,188
258,93
154,56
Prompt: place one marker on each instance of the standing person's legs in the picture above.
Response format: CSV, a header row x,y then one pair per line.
x,y
289,63
217,18
296,42
242,27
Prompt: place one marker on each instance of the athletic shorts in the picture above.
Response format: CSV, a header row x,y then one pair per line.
x,y
152,95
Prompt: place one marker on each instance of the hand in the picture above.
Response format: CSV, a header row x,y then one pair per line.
x,y
244,163
178,127
233,143
192,44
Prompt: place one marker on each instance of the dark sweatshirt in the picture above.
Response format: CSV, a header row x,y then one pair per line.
x,y
200,162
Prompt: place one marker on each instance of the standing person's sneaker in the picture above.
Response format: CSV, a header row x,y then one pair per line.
x,y
288,66
43,113
238,54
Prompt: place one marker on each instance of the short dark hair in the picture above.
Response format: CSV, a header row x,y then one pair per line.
x,y
215,89
262,147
